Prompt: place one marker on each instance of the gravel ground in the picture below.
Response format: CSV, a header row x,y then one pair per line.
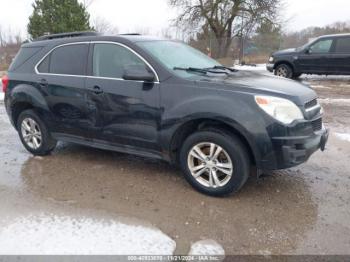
x,y
303,210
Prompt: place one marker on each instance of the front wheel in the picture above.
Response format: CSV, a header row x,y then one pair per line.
x,y
284,70
215,163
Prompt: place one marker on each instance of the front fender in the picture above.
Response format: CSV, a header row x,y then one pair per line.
x,y
238,112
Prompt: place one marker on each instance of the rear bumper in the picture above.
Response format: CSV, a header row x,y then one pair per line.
x,y
292,151
8,110
270,67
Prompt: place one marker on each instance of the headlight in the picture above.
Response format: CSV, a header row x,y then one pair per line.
x,y
271,59
281,109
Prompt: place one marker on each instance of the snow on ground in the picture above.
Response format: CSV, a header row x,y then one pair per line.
x,y
342,101
326,77
258,67
207,247
1,93
320,87
61,235
343,136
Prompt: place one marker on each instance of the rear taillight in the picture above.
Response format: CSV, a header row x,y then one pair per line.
x,y
5,83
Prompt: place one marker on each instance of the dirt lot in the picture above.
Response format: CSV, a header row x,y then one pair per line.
x,y
304,210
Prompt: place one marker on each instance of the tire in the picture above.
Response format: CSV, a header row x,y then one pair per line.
x,y
233,151
296,76
284,70
34,134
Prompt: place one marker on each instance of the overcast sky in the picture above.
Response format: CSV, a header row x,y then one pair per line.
x,y
133,15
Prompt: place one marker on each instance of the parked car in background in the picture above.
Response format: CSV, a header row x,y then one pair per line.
x,y
327,55
162,99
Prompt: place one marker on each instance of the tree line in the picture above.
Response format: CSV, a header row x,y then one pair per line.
x,y
231,29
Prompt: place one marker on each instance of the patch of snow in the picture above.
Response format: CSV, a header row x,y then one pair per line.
x,y
265,252
343,136
62,235
207,247
258,67
320,87
334,100
2,95
324,77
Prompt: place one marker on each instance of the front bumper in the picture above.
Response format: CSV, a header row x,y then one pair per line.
x,y
270,67
295,150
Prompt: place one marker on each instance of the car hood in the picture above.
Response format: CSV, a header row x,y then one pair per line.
x,y
256,83
285,52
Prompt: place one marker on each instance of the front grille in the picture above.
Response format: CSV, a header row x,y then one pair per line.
x,y
311,103
317,124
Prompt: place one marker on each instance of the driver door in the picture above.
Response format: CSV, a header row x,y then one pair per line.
x,y
125,112
316,58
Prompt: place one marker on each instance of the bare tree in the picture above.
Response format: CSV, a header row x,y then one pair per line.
x,y
2,40
88,3
141,30
225,18
101,25
166,33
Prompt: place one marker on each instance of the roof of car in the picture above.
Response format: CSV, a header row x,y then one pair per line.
x,y
335,35
114,38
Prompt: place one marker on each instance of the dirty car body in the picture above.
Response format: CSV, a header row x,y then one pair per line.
x,y
153,113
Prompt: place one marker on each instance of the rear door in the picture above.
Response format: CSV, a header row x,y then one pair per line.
x,y
316,58
340,61
61,78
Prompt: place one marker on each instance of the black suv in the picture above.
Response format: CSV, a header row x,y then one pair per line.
x,y
162,99
327,55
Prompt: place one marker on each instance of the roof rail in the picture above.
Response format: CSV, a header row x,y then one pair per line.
x,y
130,34
66,35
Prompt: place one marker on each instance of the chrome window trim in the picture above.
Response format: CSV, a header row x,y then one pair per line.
x,y
53,49
97,77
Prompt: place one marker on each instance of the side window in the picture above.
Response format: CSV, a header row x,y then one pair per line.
x,y
66,60
24,54
343,45
322,46
44,65
110,60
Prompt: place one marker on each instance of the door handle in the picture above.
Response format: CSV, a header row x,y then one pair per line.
x,y
43,83
97,90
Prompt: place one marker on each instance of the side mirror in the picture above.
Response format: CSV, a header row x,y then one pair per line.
x,y
138,73
308,51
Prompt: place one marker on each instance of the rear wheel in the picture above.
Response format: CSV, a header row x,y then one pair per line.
x,y
215,163
284,70
34,134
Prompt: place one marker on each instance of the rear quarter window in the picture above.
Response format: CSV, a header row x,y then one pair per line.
x,y
24,54
343,45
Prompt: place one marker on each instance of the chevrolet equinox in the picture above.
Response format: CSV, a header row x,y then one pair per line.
x,y
161,99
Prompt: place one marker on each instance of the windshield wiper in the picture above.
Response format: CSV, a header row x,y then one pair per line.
x,y
224,68
191,69
200,70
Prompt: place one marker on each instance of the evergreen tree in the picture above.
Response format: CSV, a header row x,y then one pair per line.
x,y
57,16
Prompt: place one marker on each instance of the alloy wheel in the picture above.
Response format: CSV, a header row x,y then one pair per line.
x,y
210,165
31,133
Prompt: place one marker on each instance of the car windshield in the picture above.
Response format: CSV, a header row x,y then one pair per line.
x,y
304,46
301,47
178,55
